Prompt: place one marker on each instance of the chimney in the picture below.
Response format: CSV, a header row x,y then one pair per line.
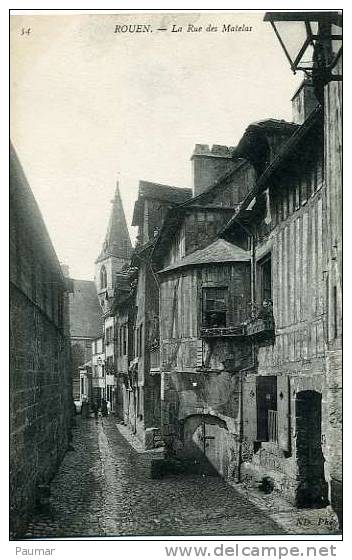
x,y
303,102
65,270
208,165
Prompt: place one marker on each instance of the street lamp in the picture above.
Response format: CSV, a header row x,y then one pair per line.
x,y
311,41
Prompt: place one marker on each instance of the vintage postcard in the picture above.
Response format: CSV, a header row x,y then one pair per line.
x,y
176,277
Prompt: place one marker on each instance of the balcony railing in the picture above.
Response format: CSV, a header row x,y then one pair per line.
x,y
208,332
262,322
155,358
260,326
272,426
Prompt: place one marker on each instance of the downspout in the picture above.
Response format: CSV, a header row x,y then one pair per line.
x,y
253,273
253,300
240,432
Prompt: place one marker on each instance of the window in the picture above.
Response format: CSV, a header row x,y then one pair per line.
x,y
124,340
60,309
109,365
103,277
138,334
108,336
267,408
214,307
136,341
264,278
140,339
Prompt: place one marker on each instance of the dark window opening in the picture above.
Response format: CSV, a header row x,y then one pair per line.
x,y
215,307
60,310
265,284
267,408
140,339
335,311
123,341
108,336
124,345
103,277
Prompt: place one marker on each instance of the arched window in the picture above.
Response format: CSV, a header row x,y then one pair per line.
x,y
103,277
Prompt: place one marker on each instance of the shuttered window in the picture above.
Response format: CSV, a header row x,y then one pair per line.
x,y
215,307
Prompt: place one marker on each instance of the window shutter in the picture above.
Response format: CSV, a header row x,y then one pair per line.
x,y
283,412
249,411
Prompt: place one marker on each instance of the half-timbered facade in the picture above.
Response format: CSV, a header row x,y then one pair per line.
x,y
284,419
137,316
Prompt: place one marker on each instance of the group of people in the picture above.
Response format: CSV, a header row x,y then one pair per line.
x,y
98,409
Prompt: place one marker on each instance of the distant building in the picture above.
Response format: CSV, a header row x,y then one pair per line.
x,y
41,402
85,384
86,325
113,258
98,372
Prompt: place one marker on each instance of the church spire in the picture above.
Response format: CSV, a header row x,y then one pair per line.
x,y
117,240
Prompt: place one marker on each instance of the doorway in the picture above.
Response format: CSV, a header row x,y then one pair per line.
x,y
312,490
206,444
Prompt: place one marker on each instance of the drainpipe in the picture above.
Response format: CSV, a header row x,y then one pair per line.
x,y
253,273
253,300
240,432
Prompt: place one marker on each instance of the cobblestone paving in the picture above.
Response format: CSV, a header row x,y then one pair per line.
x,y
103,488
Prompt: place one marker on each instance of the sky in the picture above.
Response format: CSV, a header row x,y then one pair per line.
x,y
90,106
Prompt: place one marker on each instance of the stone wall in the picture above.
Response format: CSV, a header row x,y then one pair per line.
x,y
41,404
207,396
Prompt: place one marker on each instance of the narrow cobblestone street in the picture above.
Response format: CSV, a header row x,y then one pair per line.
x,y
104,488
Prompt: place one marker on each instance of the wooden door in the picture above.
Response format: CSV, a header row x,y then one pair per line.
x,y
205,443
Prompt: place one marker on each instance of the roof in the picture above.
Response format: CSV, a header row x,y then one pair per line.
x,y
219,251
157,191
85,311
227,175
28,213
286,152
117,240
274,124
177,195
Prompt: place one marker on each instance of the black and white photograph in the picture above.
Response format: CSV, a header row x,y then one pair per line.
x,y
175,276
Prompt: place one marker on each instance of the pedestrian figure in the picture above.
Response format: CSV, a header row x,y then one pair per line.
x,y
95,410
84,409
104,408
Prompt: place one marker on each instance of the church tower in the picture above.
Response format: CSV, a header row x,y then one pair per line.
x,y
116,252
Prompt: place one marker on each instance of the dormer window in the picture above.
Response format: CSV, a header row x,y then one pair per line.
x,y
103,278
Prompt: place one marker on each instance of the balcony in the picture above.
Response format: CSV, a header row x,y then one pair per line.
x,y
216,332
262,325
155,359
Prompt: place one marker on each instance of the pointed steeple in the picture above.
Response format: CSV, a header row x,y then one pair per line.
x,y
117,240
